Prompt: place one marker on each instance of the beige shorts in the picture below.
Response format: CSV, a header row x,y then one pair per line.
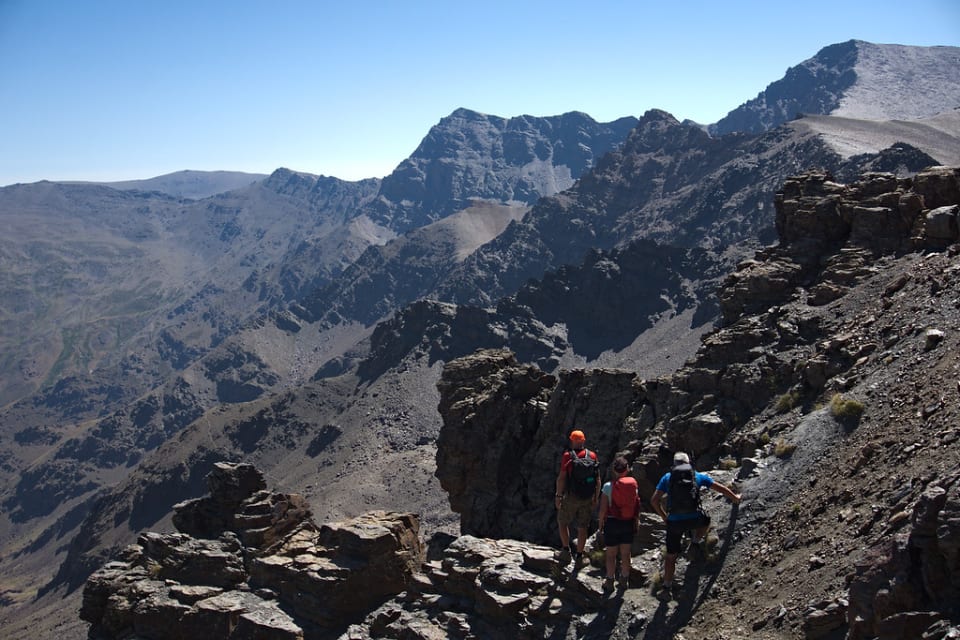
x,y
575,510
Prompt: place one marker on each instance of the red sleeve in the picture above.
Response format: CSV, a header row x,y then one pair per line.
x,y
565,461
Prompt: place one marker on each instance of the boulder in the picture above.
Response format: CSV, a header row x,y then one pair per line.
x,y
822,618
938,186
940,224
239,503
341,570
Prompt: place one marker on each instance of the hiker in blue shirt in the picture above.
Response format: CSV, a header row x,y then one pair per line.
x,y
682,510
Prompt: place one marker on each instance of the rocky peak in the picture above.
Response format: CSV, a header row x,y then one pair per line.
x,y
659,131
469,155
855,79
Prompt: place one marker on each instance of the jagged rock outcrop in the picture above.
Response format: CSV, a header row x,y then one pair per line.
x,y
780,348
828,233
251,564
505,426
910,586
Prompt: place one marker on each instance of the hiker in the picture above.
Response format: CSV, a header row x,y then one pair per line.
x,y
619,521
681,486
578,489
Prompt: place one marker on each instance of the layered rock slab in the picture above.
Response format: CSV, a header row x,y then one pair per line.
x,y
254,565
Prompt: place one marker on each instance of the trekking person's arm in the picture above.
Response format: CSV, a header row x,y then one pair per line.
x,y
726,492
657,503
596,490
604,505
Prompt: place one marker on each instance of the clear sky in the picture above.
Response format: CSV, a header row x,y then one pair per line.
x,y
118,90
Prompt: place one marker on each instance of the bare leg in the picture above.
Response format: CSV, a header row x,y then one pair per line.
x,y
669,566
624,562
564,535
581,538
611,561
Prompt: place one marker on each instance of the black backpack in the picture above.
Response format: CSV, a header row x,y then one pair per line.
x,y
684,492
583,474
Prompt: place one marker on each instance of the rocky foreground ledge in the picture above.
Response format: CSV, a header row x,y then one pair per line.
x,y
247,563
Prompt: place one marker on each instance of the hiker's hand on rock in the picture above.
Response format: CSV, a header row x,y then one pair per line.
x,y
736,498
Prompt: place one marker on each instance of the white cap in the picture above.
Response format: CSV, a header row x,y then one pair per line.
x,y
681,458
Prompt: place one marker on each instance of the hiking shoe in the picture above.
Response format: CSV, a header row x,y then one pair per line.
x,y
564,557
578,558
623,582
666,593
701,548
607,585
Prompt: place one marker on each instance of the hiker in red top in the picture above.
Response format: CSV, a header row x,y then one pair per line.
x,y
578,489
619,521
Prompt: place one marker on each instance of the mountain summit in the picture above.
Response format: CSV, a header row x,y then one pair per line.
x,y
855,79
470,155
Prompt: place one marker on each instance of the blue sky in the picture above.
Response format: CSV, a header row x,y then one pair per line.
x,y
108,90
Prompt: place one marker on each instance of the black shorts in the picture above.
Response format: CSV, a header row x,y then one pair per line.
x,y
617,532
675,529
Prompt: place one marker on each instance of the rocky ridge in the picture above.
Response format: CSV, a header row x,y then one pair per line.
x,y
191,184
670,183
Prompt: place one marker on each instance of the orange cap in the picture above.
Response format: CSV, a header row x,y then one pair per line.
x,y
577,436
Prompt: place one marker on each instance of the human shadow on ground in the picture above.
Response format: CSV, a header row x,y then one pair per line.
x,y
601,625
665,623
604,623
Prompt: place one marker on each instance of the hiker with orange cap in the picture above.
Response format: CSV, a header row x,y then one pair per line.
x,y
578,489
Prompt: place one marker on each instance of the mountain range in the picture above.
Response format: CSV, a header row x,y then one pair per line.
x,y
152,329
